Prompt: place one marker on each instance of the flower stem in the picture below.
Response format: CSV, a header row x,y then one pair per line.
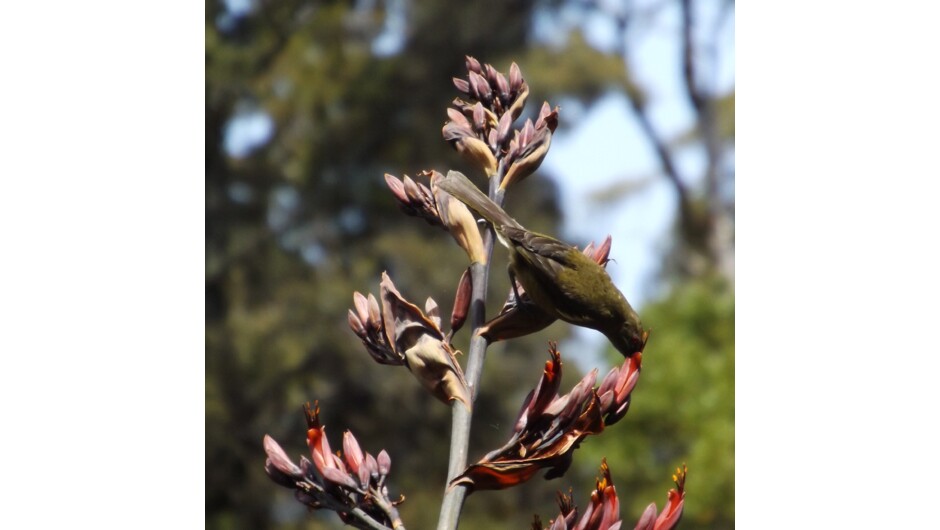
x,y
460,424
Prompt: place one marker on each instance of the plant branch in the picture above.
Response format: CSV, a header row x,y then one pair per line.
x,y
363,519
371,523
460,425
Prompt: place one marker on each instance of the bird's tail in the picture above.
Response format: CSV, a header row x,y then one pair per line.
x,y
458,185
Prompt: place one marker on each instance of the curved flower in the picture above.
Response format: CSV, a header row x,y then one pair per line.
x,y
459,221
672,512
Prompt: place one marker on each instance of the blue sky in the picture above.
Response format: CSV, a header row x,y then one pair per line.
x,y
606,146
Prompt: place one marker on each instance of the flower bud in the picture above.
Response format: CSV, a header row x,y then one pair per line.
x,y
280,460
479,117
648,518
339,477
502,129
503,86
473,65
352,452
532,145
278,476
385,462
515,78
480,88
461,302
371,465
462,85
469,147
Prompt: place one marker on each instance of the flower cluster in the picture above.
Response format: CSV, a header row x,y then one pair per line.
x,y
439,208
530,145
602,514
401,334
479,127
550,427
604,511
352,482
415,199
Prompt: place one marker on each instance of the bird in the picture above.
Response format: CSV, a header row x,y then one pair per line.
x,y
558,278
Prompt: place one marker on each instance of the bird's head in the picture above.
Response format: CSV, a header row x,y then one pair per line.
x,y
629,339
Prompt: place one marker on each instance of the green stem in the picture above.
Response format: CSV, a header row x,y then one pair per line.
x,y
460,424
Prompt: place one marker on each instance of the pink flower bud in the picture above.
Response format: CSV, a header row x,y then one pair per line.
x,y
352,452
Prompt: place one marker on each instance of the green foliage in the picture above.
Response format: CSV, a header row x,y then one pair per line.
x,y
682,410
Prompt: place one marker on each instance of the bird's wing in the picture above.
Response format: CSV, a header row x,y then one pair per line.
x,y
544,252
558,272
458,185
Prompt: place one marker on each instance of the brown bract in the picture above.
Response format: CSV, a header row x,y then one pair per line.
x,y
418,338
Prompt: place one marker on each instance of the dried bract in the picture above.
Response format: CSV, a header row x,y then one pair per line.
x,y
422,344
461,301
402,334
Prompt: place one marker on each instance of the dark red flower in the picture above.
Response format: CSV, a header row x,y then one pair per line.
x,y
550,427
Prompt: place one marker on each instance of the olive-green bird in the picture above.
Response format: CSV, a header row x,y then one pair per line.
x,y
558,277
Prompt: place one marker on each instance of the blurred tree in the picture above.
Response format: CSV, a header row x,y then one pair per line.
x,y
704,192
683,408
307,104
